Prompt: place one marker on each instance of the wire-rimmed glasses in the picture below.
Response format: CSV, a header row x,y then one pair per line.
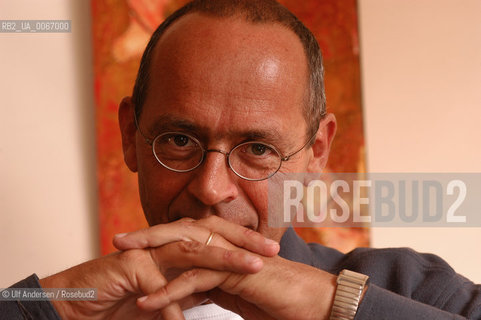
x,y
251,160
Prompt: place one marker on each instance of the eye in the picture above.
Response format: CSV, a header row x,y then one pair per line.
x,y
176,142
177,151
258,149
180,140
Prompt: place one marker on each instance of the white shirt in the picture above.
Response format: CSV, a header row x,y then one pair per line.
x,y
210,311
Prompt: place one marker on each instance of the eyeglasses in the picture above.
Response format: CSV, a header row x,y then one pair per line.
x,y
252,160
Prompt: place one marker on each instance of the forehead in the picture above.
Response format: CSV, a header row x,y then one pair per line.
x,y
226,74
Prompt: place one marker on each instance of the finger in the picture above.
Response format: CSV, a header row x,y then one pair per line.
x,y
188,283
188,229
158,235
237,305
182,230
193,300
191,254
241,236
172,312
149,279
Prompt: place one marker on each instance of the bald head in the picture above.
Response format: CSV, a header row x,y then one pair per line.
x,y
256,13
228,55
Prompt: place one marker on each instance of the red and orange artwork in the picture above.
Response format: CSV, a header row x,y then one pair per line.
x,y
121,30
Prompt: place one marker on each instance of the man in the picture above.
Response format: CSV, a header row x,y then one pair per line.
x,y
228,94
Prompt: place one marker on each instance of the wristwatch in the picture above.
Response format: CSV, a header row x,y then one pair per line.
x,y
348,293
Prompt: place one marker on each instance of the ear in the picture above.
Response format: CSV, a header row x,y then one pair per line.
x,y
322,144
128,131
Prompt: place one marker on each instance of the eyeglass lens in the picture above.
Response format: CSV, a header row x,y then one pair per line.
x,y
250,160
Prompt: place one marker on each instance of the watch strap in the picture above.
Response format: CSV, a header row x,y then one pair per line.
x,y
349,289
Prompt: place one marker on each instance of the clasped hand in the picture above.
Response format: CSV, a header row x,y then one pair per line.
x,y
166,268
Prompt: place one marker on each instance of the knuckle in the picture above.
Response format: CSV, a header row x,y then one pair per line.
x,y
249,233
164,293
233,283
244,238
251,237
211,220
228,257
132,256
186,221
145,243
187,225
191,274
190,246
142,238
143,232
155,257
193,230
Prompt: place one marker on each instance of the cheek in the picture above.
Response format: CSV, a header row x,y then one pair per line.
x,y
257,192
258,195
158,188
262,207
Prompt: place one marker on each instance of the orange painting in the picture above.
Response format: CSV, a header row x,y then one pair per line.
x,y
121,30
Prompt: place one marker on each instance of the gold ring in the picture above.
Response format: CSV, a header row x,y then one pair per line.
x,y
209,239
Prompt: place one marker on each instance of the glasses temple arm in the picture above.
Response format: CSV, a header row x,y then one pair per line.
x,y
286,158
147,140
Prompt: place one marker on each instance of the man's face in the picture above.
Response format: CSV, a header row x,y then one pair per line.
x,y
223,81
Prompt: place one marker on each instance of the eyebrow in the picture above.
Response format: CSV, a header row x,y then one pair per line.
x,y
169,122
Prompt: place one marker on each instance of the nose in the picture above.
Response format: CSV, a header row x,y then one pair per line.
x,y
213,182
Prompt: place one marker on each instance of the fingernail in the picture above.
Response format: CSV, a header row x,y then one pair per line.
x,y
271,242
142,299
272,245
253,260
120,235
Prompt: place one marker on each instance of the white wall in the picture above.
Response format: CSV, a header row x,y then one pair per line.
x,y
47,162
421,76
421,63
